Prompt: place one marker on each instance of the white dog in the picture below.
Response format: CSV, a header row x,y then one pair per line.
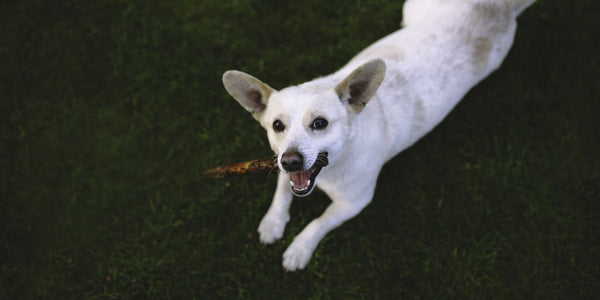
x,y
336,132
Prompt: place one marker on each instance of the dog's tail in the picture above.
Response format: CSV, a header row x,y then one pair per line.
x,y
518,6
415,11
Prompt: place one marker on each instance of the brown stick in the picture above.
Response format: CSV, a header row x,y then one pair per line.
x,y
256,166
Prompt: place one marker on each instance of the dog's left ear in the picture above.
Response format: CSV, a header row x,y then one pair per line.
x,y
250,92
358,88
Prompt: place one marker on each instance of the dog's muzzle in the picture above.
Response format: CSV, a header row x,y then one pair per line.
x,y
302,181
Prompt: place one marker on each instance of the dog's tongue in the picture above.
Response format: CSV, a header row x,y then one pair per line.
x,y
300,180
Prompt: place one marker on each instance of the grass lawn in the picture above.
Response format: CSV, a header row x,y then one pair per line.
x,y
110,111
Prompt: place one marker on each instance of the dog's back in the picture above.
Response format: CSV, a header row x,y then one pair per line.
x,y
445,48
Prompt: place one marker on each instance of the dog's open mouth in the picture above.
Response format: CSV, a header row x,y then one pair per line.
x,y
304,182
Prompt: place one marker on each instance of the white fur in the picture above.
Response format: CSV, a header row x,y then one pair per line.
x,y
444,49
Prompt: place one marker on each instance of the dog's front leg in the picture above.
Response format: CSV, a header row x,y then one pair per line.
x,y
273,223
340,210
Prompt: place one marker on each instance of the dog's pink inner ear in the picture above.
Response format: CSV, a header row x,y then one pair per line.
x,y
356,90
257,98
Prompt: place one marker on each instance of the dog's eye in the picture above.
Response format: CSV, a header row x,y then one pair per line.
x,y
278,126
319,124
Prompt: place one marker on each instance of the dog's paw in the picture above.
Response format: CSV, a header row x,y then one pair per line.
x,y
296,257
271,229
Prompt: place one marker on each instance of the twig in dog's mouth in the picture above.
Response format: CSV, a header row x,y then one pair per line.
x,y
266,165
256,166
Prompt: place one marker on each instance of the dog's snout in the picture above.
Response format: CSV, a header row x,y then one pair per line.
x,y
292,161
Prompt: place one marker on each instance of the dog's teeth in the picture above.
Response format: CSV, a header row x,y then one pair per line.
x,y
305,188
301,189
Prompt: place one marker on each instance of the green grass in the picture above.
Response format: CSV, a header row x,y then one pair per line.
x,y
112,109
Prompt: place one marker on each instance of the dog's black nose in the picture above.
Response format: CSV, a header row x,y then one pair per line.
x,y
292,161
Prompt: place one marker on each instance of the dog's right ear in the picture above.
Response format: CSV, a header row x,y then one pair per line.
x,y
250,92
360,86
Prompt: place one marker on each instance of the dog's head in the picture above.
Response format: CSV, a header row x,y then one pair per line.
x,y
307,125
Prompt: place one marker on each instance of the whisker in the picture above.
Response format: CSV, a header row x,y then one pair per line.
x,y
273,169
322,159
